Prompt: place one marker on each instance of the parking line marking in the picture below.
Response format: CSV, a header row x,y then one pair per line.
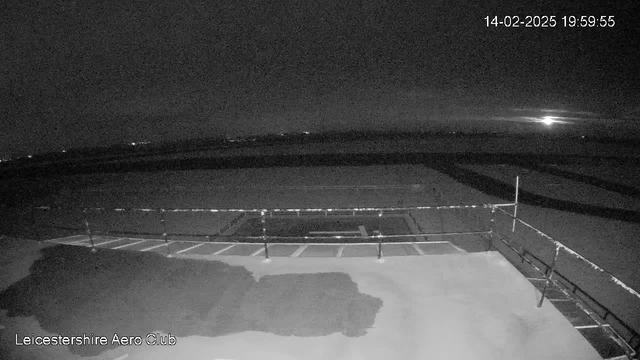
x,y
586,326
415,246
259,251
108,241
189,248
299,250
126,245
156,246
223,250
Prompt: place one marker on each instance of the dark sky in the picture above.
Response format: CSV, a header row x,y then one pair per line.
x,y
78,73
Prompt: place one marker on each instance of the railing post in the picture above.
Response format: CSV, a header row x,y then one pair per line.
x,y
515,208
380,235
264,235
546,284
88,230
492,228
164,232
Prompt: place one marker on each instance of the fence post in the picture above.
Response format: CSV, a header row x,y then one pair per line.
x,y
515,208
546,284
164,232
492,228
264,235
380,235
36,233
88,229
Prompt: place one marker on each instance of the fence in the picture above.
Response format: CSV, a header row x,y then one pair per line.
x,y
154,222
607,300
611,303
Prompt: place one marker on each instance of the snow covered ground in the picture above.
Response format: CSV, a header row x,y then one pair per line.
x,y
441,307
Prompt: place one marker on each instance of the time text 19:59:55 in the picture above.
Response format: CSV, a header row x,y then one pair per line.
x,y
551,21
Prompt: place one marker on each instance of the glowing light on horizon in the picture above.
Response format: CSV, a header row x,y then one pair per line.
x,y
548,120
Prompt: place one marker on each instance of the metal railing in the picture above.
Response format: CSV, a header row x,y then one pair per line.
x,y
621,332
629,341
265,238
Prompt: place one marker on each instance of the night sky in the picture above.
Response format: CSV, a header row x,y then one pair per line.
x,y
93,73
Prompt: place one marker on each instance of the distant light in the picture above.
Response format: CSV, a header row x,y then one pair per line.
x,y
582,136
64,151
548,120
29,156
306,132
133,144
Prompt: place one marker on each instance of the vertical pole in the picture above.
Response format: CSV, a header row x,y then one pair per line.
x,y
515,209
551,268
36,233
264,235
380,235
88,229
492,228
164,232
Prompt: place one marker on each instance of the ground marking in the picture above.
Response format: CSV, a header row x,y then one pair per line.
x,y
340,250
156,246
223,249
189,248
108,241
586,326
59,240
457,247
418,249
299,250
75,242
363,230
126,245
334,232
259,251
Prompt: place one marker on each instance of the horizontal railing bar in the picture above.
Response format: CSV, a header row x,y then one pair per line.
x,y
291,237
285,210
289,243
575,298
576,288
578,256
